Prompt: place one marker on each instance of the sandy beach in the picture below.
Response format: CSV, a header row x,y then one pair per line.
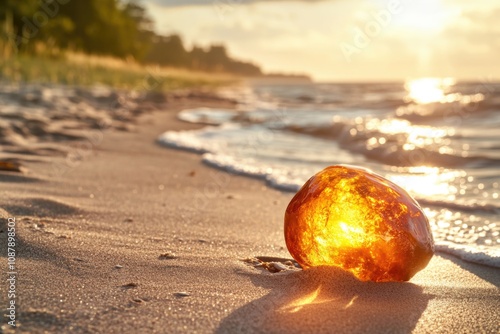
x,y
137,238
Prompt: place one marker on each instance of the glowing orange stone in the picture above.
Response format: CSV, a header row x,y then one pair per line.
x,y
352,218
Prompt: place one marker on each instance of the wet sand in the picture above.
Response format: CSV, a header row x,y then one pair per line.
x,y
132,237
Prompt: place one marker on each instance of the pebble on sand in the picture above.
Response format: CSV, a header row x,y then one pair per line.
x,y
167,256
11,166
182,294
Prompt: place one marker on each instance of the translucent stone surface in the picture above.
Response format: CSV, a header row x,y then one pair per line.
x,y
352,218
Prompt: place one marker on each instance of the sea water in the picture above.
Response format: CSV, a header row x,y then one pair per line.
x,y
437,138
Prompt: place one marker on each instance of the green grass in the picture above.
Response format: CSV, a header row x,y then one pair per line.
x,y
84,70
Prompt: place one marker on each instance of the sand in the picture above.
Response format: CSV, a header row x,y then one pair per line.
x,y
136,238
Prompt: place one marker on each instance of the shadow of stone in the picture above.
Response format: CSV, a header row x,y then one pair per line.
x,y
328,300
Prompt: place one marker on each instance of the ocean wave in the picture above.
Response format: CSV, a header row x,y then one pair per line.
x,y
454,109
274,178
208,116
483,255
469,208
394,142
186,140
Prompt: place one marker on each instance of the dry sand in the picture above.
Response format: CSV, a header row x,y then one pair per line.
x,y
136,238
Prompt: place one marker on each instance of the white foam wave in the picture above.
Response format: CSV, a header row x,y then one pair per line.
x,y
207,115
195,140
479,254
273,177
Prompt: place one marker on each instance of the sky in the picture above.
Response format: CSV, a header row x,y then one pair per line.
x,y
345,40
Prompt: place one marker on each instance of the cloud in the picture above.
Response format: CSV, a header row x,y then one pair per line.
x,y
301,36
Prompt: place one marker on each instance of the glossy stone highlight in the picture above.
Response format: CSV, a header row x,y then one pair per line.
x,y
352,218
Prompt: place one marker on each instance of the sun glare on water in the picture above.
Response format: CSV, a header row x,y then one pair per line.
x,y
425,182
428,90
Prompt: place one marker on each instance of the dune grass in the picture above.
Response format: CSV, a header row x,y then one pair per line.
x,y
85,70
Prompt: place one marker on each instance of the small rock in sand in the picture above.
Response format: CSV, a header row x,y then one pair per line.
x,y
272,264
130,285
11,166
279,266
128,220
167,256
182,294
118,266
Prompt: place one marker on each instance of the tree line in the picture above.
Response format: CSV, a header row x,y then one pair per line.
x,y
120,28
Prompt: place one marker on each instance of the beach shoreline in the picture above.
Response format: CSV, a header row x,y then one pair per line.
x,y
140,238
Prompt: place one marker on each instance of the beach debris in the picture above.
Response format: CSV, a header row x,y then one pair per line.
x,y
272,264
38,226
167,256
252,261
77,259
118,266
128,220
131,285
279,266
182,294
11,166
352,218
41,227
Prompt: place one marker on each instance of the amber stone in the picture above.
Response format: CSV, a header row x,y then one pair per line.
x,y
352,218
